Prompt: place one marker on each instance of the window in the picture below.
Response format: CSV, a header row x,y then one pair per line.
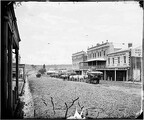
x,y
108,60
100,53
113,60
104,53
95,54
118,59
124,59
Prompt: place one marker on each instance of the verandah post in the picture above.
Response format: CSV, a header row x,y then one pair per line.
x,y
17,73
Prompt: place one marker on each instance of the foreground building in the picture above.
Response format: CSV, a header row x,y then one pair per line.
x,y
10,43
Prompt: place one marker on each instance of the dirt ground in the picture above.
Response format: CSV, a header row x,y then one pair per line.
x,y
109,99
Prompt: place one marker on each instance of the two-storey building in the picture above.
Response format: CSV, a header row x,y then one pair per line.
x,y
118,65
124,65
97,56
79,62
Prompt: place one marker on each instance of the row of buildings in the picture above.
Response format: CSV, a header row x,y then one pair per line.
x,y
117,64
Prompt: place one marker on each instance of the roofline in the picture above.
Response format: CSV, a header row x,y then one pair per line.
x,y
120,51
77,53
15,22
100,46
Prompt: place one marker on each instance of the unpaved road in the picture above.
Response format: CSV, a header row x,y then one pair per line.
x,y
109,98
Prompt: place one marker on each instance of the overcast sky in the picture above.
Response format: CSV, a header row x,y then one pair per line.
x,y
50,32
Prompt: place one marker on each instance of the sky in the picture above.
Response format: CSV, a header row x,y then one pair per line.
x,y
51,32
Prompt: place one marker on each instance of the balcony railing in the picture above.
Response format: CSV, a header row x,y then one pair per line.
x,y
93,67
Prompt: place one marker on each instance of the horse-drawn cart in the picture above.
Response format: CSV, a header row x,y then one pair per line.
x,y
94,77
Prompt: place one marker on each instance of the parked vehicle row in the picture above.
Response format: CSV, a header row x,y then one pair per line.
x,y
91,77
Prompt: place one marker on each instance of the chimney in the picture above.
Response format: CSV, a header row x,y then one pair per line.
x,y
129,45
98,44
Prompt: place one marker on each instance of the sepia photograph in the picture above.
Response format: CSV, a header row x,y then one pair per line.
x,y
72,59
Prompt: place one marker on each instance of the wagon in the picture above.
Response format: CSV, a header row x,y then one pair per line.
x,y
64,76
94,76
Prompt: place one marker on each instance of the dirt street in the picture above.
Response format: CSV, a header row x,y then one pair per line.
x,y
108,99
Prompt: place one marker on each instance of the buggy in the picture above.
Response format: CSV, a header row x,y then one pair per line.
x,y
94,77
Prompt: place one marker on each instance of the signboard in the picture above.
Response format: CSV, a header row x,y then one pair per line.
x,y
137,52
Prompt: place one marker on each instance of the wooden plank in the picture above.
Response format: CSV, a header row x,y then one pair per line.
x,y
4,67
10,72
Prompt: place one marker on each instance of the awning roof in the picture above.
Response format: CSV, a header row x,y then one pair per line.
x,y
96,59
95,72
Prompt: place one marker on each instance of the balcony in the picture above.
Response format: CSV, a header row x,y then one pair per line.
x,y
84,67
97,67
93,67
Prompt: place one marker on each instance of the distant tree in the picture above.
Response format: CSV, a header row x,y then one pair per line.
x,y
38,75
42,70
44,66
33,66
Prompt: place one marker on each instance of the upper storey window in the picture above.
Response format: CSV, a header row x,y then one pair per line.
x,y
124,59
108,60
113,60
118,59
104,53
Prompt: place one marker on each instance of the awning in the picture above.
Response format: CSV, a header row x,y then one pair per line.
x,y
95,72
96,59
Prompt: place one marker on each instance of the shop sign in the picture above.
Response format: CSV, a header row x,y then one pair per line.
x,y
136,52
